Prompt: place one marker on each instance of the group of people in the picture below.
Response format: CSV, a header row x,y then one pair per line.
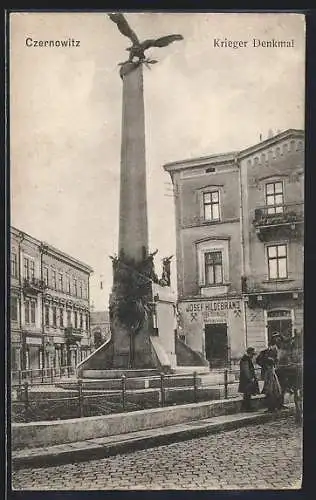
x,y
272,362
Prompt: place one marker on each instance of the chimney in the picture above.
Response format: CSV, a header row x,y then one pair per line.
x,y
260,138
270,133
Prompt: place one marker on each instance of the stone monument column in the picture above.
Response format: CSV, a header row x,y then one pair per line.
x,y
133,225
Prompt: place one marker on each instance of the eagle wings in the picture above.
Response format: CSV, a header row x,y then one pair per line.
x,y
138,48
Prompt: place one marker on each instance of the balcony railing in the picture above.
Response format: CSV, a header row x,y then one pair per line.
x,y
34,285
279,215
73,334
256,284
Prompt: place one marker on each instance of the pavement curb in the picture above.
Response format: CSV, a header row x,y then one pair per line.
x,y
126,443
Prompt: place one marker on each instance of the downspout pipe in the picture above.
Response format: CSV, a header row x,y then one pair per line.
x,y
22,360
242,245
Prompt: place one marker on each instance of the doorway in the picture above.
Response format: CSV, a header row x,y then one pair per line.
x,y
216,345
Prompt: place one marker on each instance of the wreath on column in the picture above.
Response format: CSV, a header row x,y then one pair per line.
x,y
130,301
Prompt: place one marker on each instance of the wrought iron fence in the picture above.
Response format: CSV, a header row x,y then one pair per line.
x,y
41,375
84,401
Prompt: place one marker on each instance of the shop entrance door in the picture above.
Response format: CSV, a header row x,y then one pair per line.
x,y
216,345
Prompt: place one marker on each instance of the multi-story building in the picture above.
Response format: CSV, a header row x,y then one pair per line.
x,y
49,295
273,236
239,234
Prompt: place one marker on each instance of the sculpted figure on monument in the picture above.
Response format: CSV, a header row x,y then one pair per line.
x,y
166,271
137,50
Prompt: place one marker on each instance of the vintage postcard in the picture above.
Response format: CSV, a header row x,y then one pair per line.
x,y
156,250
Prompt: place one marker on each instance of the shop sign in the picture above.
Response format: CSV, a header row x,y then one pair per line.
x,y
34,340
216,308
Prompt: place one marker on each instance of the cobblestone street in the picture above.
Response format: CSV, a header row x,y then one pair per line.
x,y
262,456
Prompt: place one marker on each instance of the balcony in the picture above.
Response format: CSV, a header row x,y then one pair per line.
x,y
289,216
33,285
260,288
73,334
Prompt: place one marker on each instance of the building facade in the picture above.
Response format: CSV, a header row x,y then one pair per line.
x,y
100,327
49,299
239,234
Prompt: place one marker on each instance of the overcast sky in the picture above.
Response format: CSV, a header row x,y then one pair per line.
x,y
199,100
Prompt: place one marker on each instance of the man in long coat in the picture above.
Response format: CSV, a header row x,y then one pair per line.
x,y
248,382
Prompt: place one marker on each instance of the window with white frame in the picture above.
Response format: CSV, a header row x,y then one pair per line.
x,y
75,287
53,278
277,261
33,312
41,358
27,311
46,314
45,275
274,197
27,359
213,262
68,288
211,205
14,265
69,318
54,309
14,308
61,317
60,282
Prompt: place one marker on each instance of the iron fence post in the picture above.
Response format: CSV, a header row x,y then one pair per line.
x,y
68,371
52,375
80,397
162,389
195,386
123,380
42,374
20,378
226,383
31,377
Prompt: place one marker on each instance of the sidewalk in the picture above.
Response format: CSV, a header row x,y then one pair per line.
x,y
125,443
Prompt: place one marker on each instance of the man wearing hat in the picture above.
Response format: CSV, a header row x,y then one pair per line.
x,y
248,383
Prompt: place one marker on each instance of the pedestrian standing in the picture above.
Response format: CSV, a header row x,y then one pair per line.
x,y
248,383
272,351
271,387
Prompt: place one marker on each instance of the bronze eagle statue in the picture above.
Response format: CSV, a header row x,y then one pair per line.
x,y
137,50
